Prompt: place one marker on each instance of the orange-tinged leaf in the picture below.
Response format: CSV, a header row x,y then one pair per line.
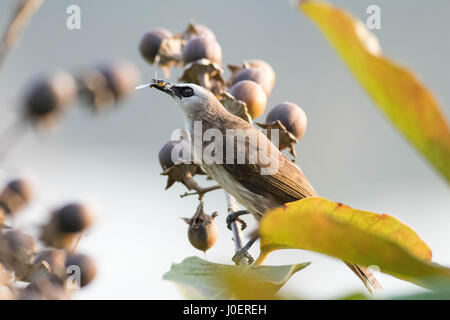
x,y
410,106
352,235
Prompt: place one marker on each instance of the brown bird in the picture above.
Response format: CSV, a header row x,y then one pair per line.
x,y
242,160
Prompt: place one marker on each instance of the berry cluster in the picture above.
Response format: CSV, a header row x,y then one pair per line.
x,y
48,267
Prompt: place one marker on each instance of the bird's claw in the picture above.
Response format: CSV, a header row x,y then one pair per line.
x,y
235,217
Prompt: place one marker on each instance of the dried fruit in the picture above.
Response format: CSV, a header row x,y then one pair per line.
x,y
252,94
85,268
290,121
206,74
268,70
202,232
291,116
106,84
17,251
202,47
195,29
175,151
15,196
48,96
53,259
256,75
65,223
151,42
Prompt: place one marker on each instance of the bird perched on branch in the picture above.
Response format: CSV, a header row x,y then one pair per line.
x,y
241,159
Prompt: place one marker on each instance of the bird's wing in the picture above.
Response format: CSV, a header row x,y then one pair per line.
x,y
286,184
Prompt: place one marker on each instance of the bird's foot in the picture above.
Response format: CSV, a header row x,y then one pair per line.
x,y
235,217
241,254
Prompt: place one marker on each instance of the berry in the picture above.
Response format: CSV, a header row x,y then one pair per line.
x,y
182,152
252,94
202,47
48,96
291,116
256,75
151,41
86,265
202,232
73,218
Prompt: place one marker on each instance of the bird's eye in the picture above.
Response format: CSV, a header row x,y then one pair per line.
x,y
187,92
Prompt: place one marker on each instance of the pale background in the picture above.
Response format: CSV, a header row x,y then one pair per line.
x,y
350,152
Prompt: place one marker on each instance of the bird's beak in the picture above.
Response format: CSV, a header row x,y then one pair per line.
x,y
164,86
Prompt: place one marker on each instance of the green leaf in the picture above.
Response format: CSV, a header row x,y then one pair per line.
x,y
361,237
410,106
200,279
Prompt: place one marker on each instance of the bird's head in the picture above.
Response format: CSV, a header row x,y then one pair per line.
x,y
190,97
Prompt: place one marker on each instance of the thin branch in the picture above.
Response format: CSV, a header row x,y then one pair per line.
x,y
235,228
22,15
201,191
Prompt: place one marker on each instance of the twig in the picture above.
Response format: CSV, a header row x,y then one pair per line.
x,y
237,236
22,15
78,241
201,191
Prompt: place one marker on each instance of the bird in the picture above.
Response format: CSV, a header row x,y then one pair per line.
x,y
241,172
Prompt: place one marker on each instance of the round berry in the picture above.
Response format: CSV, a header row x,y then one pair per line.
x,y
252,94
291,116
151,41
202,47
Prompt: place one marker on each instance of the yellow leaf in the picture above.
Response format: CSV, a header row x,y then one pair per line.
x,y
362,237
398,93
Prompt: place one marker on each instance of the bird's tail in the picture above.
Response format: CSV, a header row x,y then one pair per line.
x,y
367,278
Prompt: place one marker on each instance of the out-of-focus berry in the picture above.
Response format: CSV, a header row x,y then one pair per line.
x,y
256,75
17,251
173,152
202,47
54,259
291,116
110,83
84,265
202,232
65,223
151,41
252,94
15,196
48,96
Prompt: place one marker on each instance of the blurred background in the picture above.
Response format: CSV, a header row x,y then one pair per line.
x,y
350,152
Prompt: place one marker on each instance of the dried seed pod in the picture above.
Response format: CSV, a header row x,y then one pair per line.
x,y
291,116
195,29
206,74
256,75
151,42
17,251
44,286
202,232
290,121
48,96
103,85
202,47
261,64
53,259
15,196
64,225
174,151
82,266
252,94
